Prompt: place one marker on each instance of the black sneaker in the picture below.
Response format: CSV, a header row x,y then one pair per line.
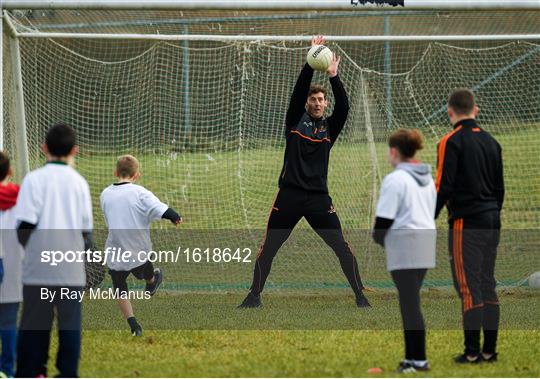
x,y
158,279
251,301
464,359
362,302
136,331
410,368
491,359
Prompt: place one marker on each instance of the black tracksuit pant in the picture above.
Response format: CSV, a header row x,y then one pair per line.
x,y
473,245
288,208
35,333
408,283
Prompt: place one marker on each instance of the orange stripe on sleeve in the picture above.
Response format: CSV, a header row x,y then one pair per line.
x,y
440,156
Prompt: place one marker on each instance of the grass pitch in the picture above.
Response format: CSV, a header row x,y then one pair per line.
x,y
291,354
274,341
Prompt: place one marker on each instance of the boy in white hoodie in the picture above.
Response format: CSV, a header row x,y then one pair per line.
x,y
129,210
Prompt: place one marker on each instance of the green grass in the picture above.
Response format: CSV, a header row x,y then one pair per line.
x,y
307,309
190,335
289,353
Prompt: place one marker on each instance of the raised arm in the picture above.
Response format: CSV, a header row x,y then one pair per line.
x,y
341,108
299,95
298,98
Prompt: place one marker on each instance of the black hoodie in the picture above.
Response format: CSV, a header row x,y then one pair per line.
x,y
309,140
469,172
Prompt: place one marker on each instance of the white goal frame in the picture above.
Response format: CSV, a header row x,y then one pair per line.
x,y
273,4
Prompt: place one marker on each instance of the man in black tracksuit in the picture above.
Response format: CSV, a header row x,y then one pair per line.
x,y
470,183
303,190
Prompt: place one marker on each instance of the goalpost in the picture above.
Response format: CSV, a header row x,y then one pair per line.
x,y
198,92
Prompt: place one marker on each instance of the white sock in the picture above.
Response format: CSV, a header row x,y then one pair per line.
x,y
416,363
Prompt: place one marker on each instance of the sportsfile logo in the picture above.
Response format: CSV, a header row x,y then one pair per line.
x,y
380,3
120,256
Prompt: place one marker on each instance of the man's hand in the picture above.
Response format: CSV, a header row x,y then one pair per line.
x,y
332,69
317,40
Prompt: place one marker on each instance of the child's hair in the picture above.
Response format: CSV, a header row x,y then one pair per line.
x,y
4,165
127,166
408,142
60,139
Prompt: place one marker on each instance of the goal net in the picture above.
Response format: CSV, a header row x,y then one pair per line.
x,y
205,116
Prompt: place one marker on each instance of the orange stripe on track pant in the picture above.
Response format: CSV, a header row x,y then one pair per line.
x,y
457,250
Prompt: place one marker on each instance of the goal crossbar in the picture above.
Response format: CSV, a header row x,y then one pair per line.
x,y
274,4
280,38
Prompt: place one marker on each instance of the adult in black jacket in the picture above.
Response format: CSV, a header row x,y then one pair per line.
x,y
303,190
470,183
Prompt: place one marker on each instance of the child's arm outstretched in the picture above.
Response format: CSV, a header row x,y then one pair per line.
x,y
171,215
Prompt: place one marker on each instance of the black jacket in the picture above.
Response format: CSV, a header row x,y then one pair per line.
x,y
469,172
309,140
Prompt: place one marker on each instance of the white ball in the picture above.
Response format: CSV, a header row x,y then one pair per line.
x,y
319,57
534,280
